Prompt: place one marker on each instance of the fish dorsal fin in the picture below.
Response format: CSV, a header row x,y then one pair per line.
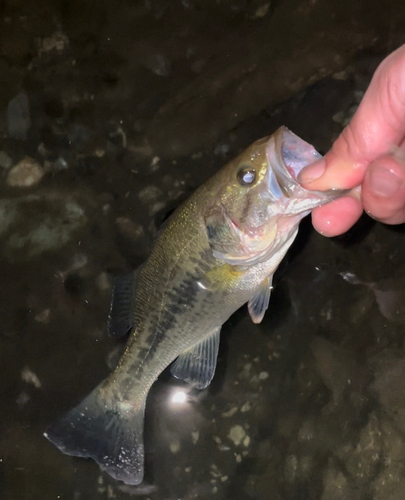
x,y
121,316
259,303
196,366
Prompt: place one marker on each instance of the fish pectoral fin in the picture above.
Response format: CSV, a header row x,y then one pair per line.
x,y
259,303
197,365
121,315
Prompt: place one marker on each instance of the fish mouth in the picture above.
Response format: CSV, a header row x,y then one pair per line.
x,y
287,155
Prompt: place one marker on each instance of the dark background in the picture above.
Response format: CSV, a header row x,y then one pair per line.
x,y
110,114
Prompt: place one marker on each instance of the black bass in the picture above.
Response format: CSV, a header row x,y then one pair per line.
x,y
216,252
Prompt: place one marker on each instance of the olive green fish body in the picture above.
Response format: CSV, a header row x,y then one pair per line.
x,y
215,253
184,293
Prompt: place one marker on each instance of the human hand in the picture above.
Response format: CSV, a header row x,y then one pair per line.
x,y
369,154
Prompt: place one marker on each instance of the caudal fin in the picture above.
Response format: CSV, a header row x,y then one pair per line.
x,y
113,437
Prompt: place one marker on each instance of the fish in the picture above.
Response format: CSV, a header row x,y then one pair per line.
x,y
215,253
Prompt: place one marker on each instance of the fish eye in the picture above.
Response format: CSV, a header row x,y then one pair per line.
x,y
247,176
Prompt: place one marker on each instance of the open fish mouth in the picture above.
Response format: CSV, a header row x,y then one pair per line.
x,y
287,155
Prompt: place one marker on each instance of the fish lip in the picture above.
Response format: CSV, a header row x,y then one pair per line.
x,y
290,154
287,154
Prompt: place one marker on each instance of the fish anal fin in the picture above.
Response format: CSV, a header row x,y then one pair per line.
x,y
259,303
121,316
197,365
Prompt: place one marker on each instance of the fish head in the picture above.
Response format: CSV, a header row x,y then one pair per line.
x,y
260,202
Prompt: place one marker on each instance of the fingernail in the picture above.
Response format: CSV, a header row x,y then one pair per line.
x,y
311,172
384,182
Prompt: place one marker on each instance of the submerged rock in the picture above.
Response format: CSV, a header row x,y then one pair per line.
x,y
26,173
35,224
336,485
18,117
5,161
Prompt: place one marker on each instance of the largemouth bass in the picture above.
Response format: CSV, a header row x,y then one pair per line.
x,y
216,252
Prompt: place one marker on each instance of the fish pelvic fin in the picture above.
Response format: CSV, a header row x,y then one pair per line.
x,y
111,436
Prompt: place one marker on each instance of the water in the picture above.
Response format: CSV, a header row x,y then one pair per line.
x,y
307,405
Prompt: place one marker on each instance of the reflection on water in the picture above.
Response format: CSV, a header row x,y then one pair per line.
x,y
307,405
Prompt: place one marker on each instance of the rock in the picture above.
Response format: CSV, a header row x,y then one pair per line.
x,y
362,461
30,377
393,443
175,446
156,208
290,468
230,413
22,399
18,117
154,165
236,434
262,11
222,150
43,316
60,164
297,469
391,299
8,215
389,385
334,365
57,42
336,486
160,65
195,436
26,173
129,229
149,194
390,483
104,282
246,407
79,135
34,224
5,160
340,75
308,430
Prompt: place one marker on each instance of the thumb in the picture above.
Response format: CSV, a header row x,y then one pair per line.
x,y
377,126
332,172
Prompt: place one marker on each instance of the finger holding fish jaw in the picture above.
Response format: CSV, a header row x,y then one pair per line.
x,y
369,153
381,195
339,215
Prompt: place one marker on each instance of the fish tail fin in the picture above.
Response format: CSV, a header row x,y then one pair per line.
x,y
111,435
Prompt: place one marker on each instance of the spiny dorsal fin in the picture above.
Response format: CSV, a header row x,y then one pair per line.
x,y
121,316
197,365
260,302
